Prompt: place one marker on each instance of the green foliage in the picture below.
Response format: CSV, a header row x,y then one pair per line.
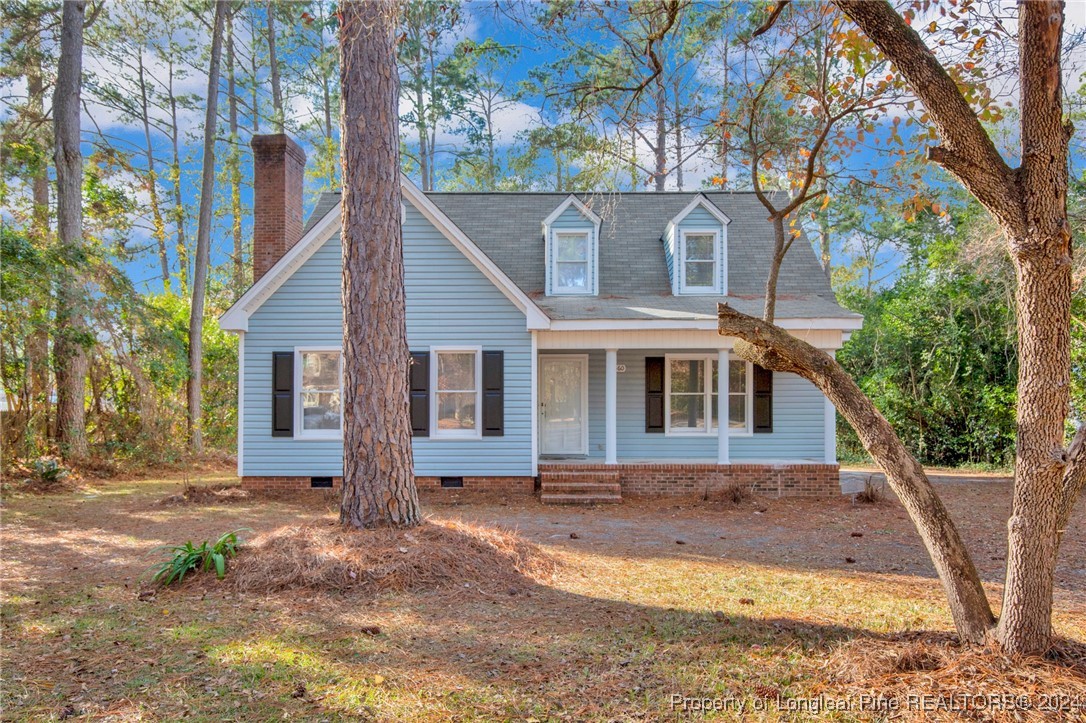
x,y
187,558
937,354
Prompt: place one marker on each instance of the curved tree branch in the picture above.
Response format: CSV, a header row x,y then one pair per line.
x,y
974,159
774,348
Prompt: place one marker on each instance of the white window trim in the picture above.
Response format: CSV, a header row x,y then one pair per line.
x,y
717,261
708,392
299,430
456,435
589,262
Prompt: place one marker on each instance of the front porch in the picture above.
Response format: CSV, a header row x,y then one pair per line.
x,y
651,479
644,419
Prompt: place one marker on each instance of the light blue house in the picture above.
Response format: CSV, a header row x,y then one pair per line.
x,y
563,342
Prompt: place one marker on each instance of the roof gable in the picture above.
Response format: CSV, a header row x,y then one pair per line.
x,y
236,318
699,201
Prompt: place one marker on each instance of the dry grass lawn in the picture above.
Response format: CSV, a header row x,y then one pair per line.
x,y
790,598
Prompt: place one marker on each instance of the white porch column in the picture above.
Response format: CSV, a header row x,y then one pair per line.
x,y
830,425
723,453
611,446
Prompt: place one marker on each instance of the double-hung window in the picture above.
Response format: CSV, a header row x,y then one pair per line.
x,y
692,399
699,253
571,262
457,396
319,385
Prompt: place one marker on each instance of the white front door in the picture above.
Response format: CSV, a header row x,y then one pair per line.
x,y
563,404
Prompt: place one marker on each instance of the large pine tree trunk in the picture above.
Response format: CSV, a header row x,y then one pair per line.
x,y
71,327
37,343
378,471
203,238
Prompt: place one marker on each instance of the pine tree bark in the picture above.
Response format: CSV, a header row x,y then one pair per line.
x,y
37,343
157,223
277,86
181,245
378,470
71,328
234,162
203,237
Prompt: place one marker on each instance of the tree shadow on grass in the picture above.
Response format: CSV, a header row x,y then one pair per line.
x,y
598,642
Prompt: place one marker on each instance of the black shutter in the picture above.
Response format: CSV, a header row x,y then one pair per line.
x,y
763,400
282,394
420,393
654,394
493,393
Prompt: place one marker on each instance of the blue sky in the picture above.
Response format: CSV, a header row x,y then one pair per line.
x,y
482,21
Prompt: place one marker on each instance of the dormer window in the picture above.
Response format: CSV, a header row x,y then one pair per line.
x,y
696,249
699,253
571,234
571,262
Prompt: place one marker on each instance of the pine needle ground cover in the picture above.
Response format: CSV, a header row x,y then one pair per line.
x,y
554,614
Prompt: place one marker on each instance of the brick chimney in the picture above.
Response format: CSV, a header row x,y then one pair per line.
x,y
278,174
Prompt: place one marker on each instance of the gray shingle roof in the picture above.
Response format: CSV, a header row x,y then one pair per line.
x,y
634,282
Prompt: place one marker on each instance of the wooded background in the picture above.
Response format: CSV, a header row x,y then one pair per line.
x,y
566,96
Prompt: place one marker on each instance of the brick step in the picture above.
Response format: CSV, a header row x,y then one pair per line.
x,y
580,487
577,476
594,499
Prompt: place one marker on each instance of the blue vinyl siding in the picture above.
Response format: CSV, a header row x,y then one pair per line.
x,y
671,238
572,219
798,413
449,302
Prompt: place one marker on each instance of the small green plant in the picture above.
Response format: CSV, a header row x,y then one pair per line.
x,y
188,558
48,471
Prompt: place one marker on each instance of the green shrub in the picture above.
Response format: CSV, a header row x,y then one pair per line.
x,y
48,471
188,558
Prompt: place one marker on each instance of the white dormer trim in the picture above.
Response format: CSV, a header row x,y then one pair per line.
x,y
702,201
549,239
677,238
236,318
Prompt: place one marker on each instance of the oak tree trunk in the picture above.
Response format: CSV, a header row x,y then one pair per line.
x,y
1041,252
203,237
71,328
1030,205
378,470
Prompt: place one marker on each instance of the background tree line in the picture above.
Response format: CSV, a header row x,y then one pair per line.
x,y
565,96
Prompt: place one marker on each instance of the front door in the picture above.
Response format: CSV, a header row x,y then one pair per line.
x,y
563,404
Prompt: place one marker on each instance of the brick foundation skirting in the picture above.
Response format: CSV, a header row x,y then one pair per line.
x,y
662,480
637,480
517,485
